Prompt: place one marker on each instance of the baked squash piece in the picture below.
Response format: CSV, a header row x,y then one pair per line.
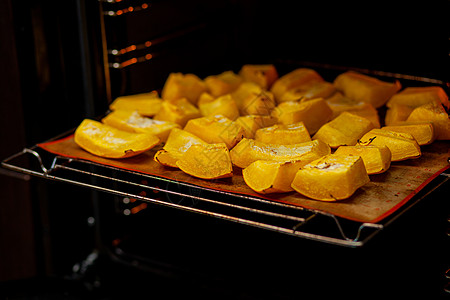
x,y
365,88
283,134
263,75
346,129
216,129
106,141
267,176
292,80
313,113
436,114
397,113
377,159
251,123
223,83
177,111
248,150
423,132
402,145
132,121
223,105
146,104
418,96
207,161
310,90
179,85
332,177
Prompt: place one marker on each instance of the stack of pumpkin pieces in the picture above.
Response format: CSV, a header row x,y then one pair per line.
x,y
296,132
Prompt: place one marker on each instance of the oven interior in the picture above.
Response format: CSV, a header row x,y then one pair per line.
x,y
76,57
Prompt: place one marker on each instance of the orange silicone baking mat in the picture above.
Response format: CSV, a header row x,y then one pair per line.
x,y
382,196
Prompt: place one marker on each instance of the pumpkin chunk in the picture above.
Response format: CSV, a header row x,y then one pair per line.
x,y
223,105
377,159
418,96
106,141
313,113
397,113
283,134
263,75
216,129
177,111
207,161
436,114
251,123
180,85
132,121
365,88
423,132
248,151
346,129
223,83
293,79
402,145
176,145
266,176
310,90
146,104
332,177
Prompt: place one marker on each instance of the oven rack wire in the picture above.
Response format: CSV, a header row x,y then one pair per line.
x,y
243,209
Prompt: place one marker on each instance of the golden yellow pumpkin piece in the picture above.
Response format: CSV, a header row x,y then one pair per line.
x,y
332,177
132,121
283,134
249,150
423,132
146,104
309,90
106,141
223,105
339,103
251,123
223,83
313,113
208,161
365,88
418,96
346,129
176,145
180,85
263,75
377,159
293,79
251,99
397,113
267,176
436,114
177,111
402,145
216,129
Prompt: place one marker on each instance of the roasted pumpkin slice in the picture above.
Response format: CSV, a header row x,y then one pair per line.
x,y
423,132
249,150
262,75
313,113
309,90
397,113
365,88
283,134
292,80
402,145
332,177
132,121
146,104
346,129
179,85
435,113
216,129
377,159
106,141
267,176
165,158
223,105
207,161
223,83
251,123
418,96
177,111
